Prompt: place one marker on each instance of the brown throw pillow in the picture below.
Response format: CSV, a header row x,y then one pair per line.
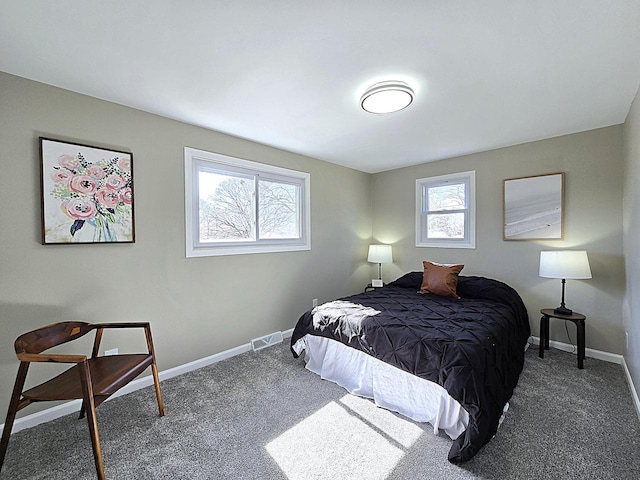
x,y
440,279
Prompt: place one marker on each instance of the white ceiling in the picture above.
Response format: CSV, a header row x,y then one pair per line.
x,y
289,73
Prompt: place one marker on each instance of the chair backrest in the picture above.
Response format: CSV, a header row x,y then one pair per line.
x,y
49,336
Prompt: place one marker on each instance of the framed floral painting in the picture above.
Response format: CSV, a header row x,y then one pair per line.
x,y
87,194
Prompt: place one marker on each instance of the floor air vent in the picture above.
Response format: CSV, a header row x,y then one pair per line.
x,y
266,341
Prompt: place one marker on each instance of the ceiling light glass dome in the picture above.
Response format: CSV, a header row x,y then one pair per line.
x,y
387,97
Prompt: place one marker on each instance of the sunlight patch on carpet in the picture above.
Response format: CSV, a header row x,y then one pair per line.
x,y
402,431
352,439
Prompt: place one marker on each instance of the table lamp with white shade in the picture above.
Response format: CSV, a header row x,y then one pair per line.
x,y
379,254
564,264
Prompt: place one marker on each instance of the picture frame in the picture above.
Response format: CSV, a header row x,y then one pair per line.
x,y
87,194
533,207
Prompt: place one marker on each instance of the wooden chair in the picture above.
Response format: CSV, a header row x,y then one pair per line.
x,y
91,379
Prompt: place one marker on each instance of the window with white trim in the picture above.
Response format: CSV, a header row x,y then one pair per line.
x,y
235,206
445,211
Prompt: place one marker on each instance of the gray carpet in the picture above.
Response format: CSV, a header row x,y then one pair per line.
x,y
261,415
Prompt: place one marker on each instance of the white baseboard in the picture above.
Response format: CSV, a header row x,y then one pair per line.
x,y
634,392
589,352
288,333
67,408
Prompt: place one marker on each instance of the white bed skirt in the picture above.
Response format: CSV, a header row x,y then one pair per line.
x,y
388,386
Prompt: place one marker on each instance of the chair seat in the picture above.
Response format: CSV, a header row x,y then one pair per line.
x,y
108,374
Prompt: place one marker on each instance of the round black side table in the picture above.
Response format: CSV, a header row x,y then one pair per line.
x,y
575,317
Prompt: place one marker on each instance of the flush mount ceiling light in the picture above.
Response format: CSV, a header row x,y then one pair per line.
x,y
387,97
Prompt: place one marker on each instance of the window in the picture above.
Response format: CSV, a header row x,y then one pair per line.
x,y
445,211
235,206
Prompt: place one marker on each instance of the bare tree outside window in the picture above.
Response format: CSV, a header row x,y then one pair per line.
x,y
442,200
278,210
447,197
445,226
229,213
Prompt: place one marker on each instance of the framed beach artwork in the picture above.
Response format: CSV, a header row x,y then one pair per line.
x,y
87,194
534,207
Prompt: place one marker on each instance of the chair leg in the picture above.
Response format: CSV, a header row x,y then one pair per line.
x,y
154,369
87,390
14,406
156,382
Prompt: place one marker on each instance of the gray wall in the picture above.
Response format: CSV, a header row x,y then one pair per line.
x,y
196,306
632,238
592,162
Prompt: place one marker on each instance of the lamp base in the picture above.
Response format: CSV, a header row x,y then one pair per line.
x,y
562,310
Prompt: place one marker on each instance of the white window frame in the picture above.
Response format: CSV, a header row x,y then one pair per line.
x,y
469,240
199,160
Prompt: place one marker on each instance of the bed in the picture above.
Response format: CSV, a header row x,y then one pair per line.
x,y
452,362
